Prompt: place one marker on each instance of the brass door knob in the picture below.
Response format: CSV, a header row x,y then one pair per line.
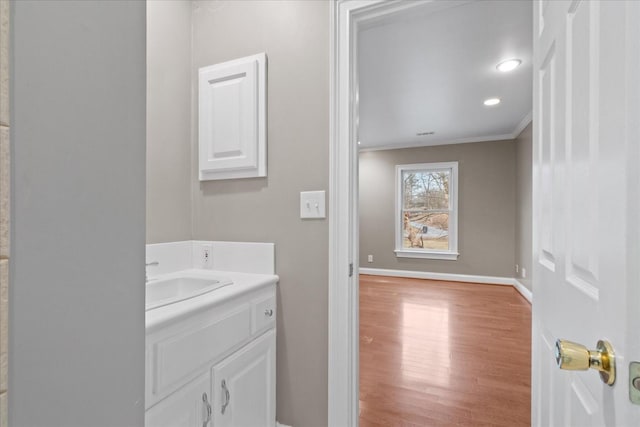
x,y
576,357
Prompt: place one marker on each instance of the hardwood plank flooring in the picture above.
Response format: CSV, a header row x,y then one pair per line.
x,y
435,353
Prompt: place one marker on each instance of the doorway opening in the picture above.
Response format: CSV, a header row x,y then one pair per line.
x,y
416,131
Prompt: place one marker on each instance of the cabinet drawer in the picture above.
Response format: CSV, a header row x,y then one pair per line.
x,y
176,358
264,313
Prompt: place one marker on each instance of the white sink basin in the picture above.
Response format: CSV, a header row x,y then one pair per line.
x,y
161,292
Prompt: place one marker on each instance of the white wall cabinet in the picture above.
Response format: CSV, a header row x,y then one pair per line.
x,y
215,368
232,136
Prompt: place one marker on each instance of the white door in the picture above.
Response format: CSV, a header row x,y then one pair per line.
x,y
244,386
586,195
187,407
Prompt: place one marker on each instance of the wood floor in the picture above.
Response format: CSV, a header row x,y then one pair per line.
x,y
436,353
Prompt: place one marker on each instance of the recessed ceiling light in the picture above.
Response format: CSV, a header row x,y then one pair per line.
x,y
358,142
491,101
508,65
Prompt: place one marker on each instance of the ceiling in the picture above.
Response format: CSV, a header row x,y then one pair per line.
x,y
431,68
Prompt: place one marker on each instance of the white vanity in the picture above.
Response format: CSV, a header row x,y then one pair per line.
x,y
211,358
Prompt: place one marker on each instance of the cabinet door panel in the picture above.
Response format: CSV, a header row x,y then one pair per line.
x,y
179,356
244,386
184,408
232,119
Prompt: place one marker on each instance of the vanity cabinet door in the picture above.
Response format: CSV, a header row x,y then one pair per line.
x,y
244,385
189,406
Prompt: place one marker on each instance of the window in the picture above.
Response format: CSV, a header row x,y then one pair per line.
x,y
427,211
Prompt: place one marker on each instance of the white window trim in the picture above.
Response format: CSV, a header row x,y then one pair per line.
x,y
452,254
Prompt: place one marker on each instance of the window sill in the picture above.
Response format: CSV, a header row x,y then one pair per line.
x,y
407,253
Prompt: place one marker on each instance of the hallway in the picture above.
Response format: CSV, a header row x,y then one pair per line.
x,y
443,353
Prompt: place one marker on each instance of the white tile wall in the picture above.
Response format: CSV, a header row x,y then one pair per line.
x,y
4,327
5,194
3,410
4,190
4,62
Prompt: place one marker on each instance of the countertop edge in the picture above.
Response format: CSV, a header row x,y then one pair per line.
x,y
243,283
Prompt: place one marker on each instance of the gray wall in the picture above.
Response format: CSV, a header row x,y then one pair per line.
x,y
295,36
524,236
168,121
77,265
486,218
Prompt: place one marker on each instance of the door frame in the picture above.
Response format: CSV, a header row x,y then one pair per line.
x,y
347,16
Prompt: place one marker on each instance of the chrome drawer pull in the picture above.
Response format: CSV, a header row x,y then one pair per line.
x,y
227,396
207,407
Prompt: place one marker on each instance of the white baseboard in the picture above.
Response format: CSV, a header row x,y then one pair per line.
x,y
493,280
281,425
467,278
524,291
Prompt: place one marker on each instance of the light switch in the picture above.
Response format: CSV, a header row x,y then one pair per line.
x,y
312,204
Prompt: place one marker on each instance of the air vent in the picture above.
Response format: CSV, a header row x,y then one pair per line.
x,y
425,133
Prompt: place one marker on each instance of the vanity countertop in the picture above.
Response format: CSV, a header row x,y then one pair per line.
x,y
242,283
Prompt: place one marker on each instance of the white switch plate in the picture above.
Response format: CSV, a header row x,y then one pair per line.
x,y
312,204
